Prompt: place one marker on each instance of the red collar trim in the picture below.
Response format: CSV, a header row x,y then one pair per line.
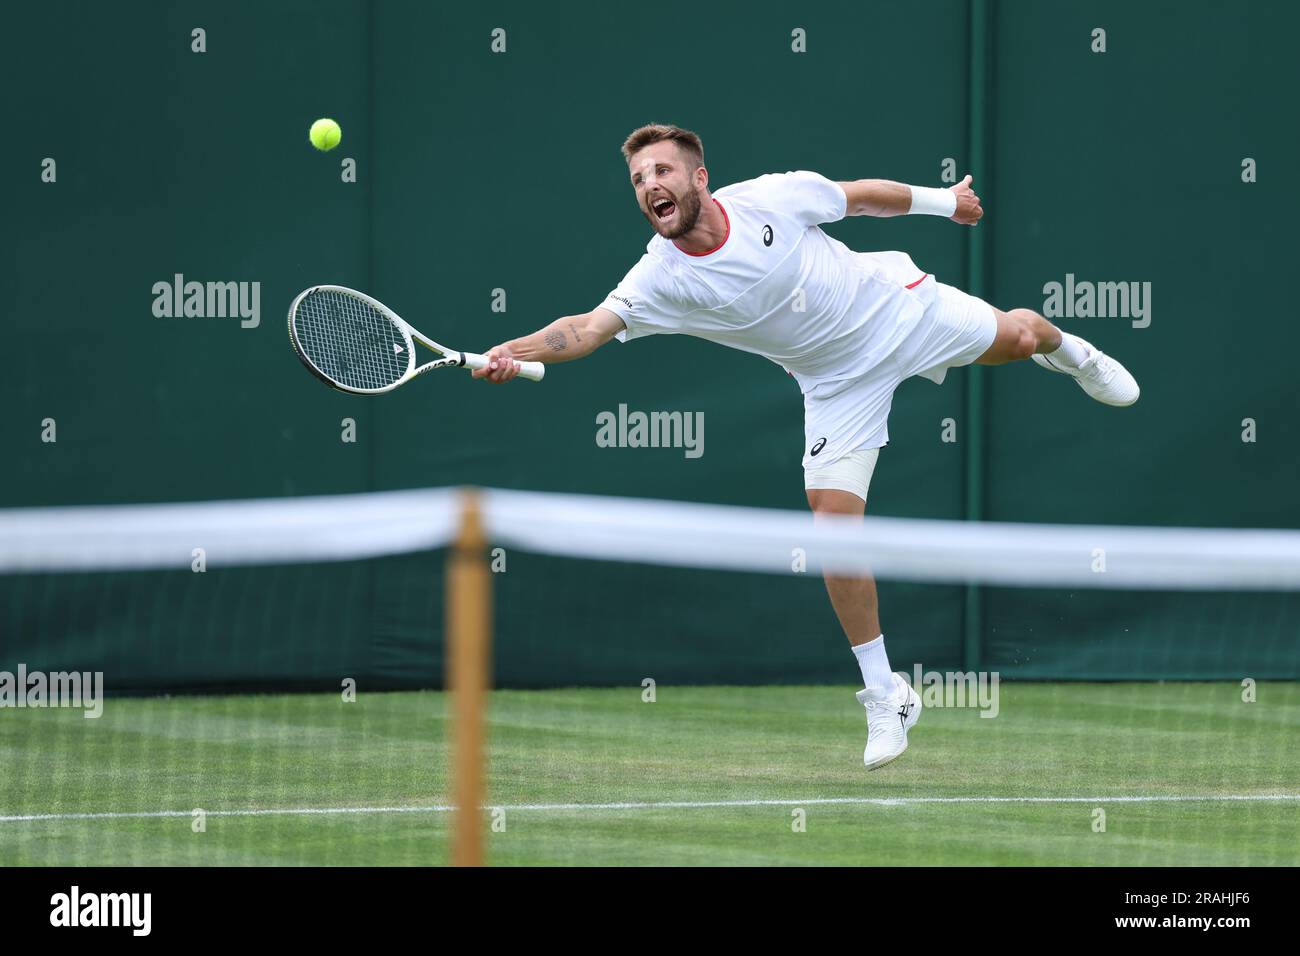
x,y
725,237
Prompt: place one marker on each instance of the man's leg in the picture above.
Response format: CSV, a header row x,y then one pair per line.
x,y
892,706
1023,333
854,599
838,490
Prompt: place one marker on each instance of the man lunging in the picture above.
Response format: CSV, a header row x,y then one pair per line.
x,y
749,267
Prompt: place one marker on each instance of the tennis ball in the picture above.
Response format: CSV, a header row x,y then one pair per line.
x,y
325,134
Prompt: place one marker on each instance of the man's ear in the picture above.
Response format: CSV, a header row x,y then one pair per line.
x,y
701,178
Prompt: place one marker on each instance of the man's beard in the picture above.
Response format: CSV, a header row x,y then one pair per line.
x,y
688,214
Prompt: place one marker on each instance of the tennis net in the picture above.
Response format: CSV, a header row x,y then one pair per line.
x,y
309,638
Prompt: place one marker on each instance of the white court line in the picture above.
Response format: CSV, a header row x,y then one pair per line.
x,y
658,805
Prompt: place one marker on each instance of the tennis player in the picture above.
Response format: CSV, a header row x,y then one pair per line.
x,y
749,267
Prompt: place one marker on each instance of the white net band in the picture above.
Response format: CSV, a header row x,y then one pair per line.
x,y
718,537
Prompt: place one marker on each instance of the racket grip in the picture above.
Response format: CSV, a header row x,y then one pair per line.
x,y
533,371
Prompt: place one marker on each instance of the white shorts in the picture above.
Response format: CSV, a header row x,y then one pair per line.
x,y
852,415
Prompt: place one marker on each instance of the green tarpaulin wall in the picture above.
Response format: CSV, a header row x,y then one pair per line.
x,y
479,171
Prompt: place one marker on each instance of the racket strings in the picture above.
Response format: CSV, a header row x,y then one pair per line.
x,y
350,341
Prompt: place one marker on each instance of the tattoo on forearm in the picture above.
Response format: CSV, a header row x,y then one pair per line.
x,y
576,336
555,340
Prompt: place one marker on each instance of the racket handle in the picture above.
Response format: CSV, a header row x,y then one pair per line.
x,y
533,371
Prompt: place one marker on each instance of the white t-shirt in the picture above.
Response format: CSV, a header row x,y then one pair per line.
x,y
778,286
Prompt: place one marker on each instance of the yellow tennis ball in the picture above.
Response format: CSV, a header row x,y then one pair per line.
x,y
325,134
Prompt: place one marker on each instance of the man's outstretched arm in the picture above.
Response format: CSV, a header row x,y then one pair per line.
x,y
567,338
884,198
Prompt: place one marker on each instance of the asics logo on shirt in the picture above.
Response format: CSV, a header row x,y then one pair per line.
x,y
767,235
817,447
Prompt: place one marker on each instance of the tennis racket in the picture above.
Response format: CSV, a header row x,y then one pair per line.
x,y
355,344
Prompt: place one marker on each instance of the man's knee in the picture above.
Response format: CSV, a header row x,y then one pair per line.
x,y
832,501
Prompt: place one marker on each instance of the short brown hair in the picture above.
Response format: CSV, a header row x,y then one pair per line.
x,y
688,142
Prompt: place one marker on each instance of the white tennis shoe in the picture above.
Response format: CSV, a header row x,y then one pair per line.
x,y
1099,375
888,722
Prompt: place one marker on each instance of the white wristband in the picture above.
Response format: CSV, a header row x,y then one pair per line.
x,y
932,202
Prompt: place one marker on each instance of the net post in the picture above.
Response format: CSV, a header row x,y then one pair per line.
x,y
469,633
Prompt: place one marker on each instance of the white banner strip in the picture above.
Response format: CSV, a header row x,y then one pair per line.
x,y
259,531
720,537
782,542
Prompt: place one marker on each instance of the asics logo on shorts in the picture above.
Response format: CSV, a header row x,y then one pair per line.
x,y
767,235
817,447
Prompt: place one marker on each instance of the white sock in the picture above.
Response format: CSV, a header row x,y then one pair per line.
x,y
874,662
1071,353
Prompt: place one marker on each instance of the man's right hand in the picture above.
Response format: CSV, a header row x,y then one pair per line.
x,y
568,337
501,366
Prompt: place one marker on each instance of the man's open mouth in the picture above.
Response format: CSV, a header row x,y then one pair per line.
x,y
663,208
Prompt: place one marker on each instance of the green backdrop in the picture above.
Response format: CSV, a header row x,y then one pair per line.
x,y
480,170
